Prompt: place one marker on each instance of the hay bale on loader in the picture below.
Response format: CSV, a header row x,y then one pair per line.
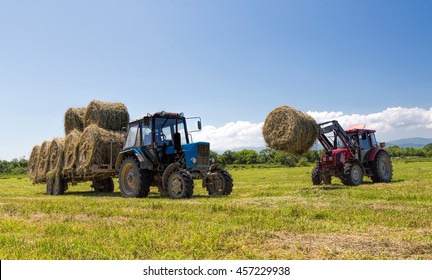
x,y
33,163
42,165
111,116
71,149
74,119
98,146
290,130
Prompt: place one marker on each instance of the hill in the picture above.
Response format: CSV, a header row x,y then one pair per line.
x,y
414,142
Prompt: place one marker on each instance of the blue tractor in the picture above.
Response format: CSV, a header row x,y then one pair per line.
x,y
158,152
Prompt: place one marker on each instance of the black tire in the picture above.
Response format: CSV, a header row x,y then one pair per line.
x,y
382,168
59,186
221,185
179,184
49,186
352,174
133,182
317,178
104,185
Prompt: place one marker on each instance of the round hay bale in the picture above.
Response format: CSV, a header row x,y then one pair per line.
x,y
74,119
111,116
95,144
55,157
71,148
290,130
42,166
33,162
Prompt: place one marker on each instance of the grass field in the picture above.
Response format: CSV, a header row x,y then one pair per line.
x,y
273,213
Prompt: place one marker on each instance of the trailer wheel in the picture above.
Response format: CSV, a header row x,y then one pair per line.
x,y
382,169
352,174
49,186
59,186
104,185
218,182
133,182
179,184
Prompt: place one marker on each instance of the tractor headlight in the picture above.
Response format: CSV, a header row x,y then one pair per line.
x,y
212,160
193,160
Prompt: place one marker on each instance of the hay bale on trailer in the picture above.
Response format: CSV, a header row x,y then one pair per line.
x,y
290,130
71,148
55,158
33,163
111,116
74,119
98,146
42,166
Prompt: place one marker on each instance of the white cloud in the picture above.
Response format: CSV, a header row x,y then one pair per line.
x,y
390,124
232,135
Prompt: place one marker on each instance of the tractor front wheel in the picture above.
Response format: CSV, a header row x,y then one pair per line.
x,y
133,182
318,178
218,182
179,184
352,174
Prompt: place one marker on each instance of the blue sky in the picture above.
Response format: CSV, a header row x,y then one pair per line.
x,y
230,62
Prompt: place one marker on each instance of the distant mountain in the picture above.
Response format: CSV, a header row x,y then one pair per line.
x,y
415,142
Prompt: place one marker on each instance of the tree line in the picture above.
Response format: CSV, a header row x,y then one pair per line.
x,y
15,166
265,156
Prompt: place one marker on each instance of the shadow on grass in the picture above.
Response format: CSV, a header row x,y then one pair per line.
x,y
344,187
152,195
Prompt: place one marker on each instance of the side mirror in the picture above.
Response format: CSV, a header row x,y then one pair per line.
x,y
199,125
146,121
382,145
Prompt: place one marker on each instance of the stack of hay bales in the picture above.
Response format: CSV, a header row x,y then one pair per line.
x,y
290,130
94,135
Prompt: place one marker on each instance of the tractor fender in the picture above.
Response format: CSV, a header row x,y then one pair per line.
x,y
167,172
143,161
373,152
213,167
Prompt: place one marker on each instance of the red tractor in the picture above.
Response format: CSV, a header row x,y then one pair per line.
x,y
350,155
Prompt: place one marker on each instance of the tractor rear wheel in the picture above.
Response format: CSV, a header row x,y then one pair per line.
x,y
382,169
179,184
352,174
218,182
133,182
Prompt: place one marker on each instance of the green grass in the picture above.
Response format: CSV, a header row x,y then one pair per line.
x,y
273,213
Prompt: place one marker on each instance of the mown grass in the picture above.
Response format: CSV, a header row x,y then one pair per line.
x,y
273,213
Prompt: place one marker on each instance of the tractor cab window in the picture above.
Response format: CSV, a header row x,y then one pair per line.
x,y
146,132
364,140
165,129
373,140
132,135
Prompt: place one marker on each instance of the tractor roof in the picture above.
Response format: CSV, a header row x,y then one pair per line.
x,y
360,130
